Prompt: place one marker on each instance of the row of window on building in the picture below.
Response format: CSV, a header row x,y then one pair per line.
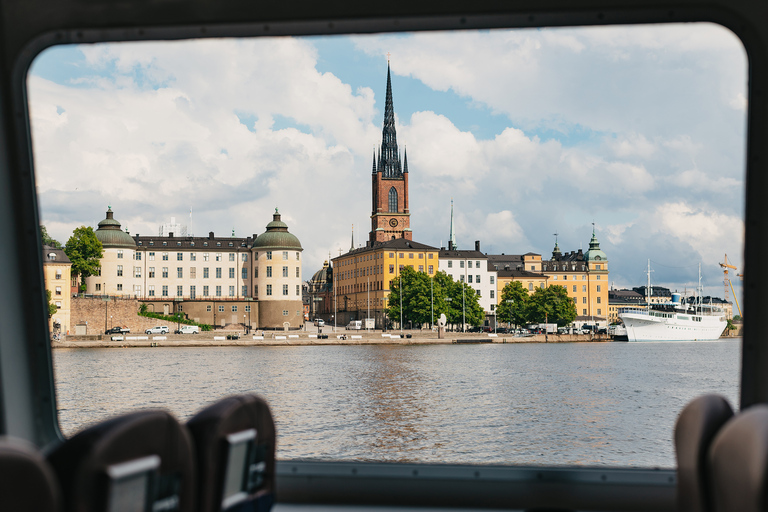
x,y
218,291
206,272
206,256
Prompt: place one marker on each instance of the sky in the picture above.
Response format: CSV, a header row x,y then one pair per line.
x,y
638,131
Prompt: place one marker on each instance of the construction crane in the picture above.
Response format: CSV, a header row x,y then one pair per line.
x,y
727,282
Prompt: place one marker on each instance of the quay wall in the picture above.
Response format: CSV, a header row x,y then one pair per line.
x,y
303,338
97,312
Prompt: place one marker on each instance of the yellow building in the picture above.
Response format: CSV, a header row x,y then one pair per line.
x,y
57,270
529,280
584,276
362,277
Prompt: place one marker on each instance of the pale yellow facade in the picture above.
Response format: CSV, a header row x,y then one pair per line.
x,y
362,277
57,270
588,289
529,282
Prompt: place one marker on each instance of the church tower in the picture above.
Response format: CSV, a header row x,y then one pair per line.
x,y
390,216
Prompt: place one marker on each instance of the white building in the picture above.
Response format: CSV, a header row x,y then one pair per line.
x,y
471,267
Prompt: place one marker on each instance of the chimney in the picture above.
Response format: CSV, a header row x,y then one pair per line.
x,y
210,235
170,235
477,245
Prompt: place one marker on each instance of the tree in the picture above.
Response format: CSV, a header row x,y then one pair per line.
x,y
52,309
551,304
446,288
417,307
46,238
84,250
514,312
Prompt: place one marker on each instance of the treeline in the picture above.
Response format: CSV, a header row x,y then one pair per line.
x,y
551,304
425,298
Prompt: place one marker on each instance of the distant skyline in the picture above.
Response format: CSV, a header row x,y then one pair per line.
x,y
639,129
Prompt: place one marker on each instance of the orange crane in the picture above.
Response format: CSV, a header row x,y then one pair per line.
x,y
727,282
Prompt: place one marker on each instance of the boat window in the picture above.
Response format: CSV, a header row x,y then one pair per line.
x,y
628,142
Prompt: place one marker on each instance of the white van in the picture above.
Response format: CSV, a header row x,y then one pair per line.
x,y
189,329
355,325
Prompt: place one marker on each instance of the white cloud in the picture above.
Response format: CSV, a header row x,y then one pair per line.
x,y
234,128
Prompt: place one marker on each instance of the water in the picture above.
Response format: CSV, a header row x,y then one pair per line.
x,y
579,403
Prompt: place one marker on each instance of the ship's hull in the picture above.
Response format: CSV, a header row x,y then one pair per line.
x,y
673,327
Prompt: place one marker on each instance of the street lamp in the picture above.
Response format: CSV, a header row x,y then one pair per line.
x,y
449,300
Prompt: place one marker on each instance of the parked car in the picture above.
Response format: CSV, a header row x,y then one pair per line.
x,y
161,329
117,330
188,329
319,322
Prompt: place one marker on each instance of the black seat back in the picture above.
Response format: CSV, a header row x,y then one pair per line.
x,y
140,461
27,482
739,463
696,427
235,444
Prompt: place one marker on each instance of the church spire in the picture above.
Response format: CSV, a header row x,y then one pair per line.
x,y
556,254
373,169
352,247
405,160
389,160
452,235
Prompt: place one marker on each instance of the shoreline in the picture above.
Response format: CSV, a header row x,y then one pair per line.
x,y
303,338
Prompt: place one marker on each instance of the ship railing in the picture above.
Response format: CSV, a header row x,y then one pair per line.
x,y
634,311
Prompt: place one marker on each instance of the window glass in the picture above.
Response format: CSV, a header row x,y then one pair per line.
x,y
639,130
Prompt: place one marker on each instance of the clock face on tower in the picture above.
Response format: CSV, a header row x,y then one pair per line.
x,y
393,222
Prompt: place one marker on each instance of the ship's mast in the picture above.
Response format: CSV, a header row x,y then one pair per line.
x,y
648,287
700,291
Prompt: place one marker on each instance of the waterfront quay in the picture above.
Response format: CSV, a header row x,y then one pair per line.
x,y
304,338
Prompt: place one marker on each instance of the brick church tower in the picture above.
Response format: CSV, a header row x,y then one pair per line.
x,y
390,217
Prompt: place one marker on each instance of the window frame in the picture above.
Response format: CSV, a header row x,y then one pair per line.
x,y
738,15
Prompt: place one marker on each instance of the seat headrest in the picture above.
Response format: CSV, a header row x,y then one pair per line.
x,y
27,482
739,463
82,462
210,429
696,427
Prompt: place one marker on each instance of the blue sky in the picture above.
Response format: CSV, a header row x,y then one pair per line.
x,y
531,132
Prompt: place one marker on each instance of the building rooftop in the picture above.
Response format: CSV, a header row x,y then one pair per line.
x,y
396,244
54,255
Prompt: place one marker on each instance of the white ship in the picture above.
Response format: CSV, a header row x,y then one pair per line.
x,y
674,320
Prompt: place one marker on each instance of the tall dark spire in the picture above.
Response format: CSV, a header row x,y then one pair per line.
x,y
405,160
373,169
389,160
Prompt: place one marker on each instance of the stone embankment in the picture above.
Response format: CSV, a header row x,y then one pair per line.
x,y
303,338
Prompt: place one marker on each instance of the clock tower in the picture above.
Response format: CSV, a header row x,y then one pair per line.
x,y
390,216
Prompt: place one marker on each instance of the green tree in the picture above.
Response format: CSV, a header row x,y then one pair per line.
x,y
84,250
46,238
415,298
52,309
551,304
514,312
460,307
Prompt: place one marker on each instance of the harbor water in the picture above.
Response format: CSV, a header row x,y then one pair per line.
x,y
555,404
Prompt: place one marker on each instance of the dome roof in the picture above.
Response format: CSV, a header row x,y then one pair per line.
x,y
110,235
321,276
594,253
277,236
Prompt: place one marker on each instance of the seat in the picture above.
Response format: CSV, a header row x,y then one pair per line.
x,y
696,427
27,482
739,463
136,462
234,440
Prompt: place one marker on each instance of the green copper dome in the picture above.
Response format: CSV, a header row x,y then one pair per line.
x,y
277,236
110,235
594,253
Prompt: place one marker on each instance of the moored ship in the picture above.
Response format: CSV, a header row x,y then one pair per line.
x,y
674,321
